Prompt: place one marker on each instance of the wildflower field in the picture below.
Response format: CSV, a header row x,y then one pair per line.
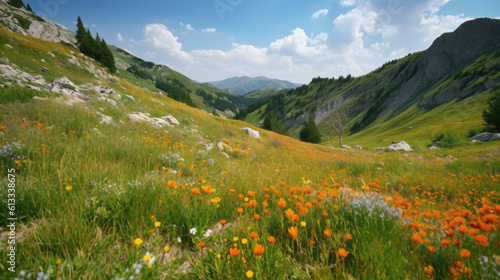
x,y
129,201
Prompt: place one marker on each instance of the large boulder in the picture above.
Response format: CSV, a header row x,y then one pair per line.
x,y
400,146
486,137
65,83
251,132
171,120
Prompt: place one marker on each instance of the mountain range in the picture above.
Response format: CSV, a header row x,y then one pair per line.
x,y
244,85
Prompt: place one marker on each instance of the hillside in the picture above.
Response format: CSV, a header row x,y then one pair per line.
x,y
106,178
447,85
263,93
244,85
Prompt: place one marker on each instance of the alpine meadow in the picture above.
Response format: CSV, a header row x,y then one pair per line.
x,y
117,165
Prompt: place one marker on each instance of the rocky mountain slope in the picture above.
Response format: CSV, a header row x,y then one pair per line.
x,y
458,72
244,85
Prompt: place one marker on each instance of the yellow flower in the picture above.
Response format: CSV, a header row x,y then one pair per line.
x,y
303,224
147,257
249,274
219,256
235,238
58,261
167,248
138,241
69,187
244,241
157,224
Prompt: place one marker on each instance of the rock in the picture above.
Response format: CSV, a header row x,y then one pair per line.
x,y
379,149
44,69
345,147
404,155
65,83
171,120
104,119
130,96
74,62
4,60
486,137
138,117
159,122
358,147
224,154
251,132
222,146
111,101
399,146
433,148
33,87
8,46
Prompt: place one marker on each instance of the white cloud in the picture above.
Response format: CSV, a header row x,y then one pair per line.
x,y
158,37
187,26
209,30
370,33
322,12
347,3
119,37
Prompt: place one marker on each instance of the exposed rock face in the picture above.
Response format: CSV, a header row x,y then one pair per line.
x,y
45,30
251,132
155,122
400,146
10,73
486,137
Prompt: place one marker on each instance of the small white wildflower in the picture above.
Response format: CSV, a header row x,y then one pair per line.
x,y
208,233
192,231
179,239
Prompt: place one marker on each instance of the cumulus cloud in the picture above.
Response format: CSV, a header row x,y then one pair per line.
x,y
119,37
370,33
319,13
187,26
209,30
158,37
347,3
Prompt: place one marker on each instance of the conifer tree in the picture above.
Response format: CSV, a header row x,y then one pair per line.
x,y
310,132
17,3
491,115
28,7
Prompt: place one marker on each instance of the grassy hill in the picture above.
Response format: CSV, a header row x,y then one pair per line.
x,y
100,198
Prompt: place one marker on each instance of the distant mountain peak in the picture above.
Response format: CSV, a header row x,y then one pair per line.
x,y
244,84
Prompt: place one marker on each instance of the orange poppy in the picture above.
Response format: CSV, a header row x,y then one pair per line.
x,y
234,252
271,239
258,250
293,232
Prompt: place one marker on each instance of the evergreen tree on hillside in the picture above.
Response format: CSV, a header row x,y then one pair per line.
x,y
17,3
28,7
491,115
271,122
95,48
310,132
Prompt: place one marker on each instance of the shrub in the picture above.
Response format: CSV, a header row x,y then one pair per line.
x,y
448,140
16,93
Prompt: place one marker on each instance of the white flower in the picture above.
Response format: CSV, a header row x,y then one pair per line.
x,y
179,239
192,231
208,233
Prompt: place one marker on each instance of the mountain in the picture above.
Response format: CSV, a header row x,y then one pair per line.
x,y
448,84
263,92
244,85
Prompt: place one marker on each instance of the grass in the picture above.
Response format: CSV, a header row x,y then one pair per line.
x,y
97,201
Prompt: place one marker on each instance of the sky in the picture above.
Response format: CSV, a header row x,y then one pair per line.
x,y
294,40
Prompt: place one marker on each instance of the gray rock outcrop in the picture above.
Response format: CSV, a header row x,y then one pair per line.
x,y
486,137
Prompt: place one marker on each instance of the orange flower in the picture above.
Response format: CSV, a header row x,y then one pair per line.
x,y
223,222
43,146
171,184
266,190
464,253
240,210
234,252
428,270
416,238
343,253
445,243
431,249
463,229
254,235
208,189
282,184
282,203
252,203
3,127
232,190
271,239
289,213
241,196
295,218
481,239
266,211
250,194
195,191
348,236
202,244
258,250
293,232
327,232
256,217
312,242
457,242
324,214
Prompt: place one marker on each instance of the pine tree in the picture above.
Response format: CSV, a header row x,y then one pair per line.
x,y
17,3
28,7
310,132
80,31
491,115
271,122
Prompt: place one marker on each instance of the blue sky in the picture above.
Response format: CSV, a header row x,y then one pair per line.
x,y
295,40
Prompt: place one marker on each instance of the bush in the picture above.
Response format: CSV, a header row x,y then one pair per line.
x,y
491,115
310,132
17,93
448,140
475,131
24,23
